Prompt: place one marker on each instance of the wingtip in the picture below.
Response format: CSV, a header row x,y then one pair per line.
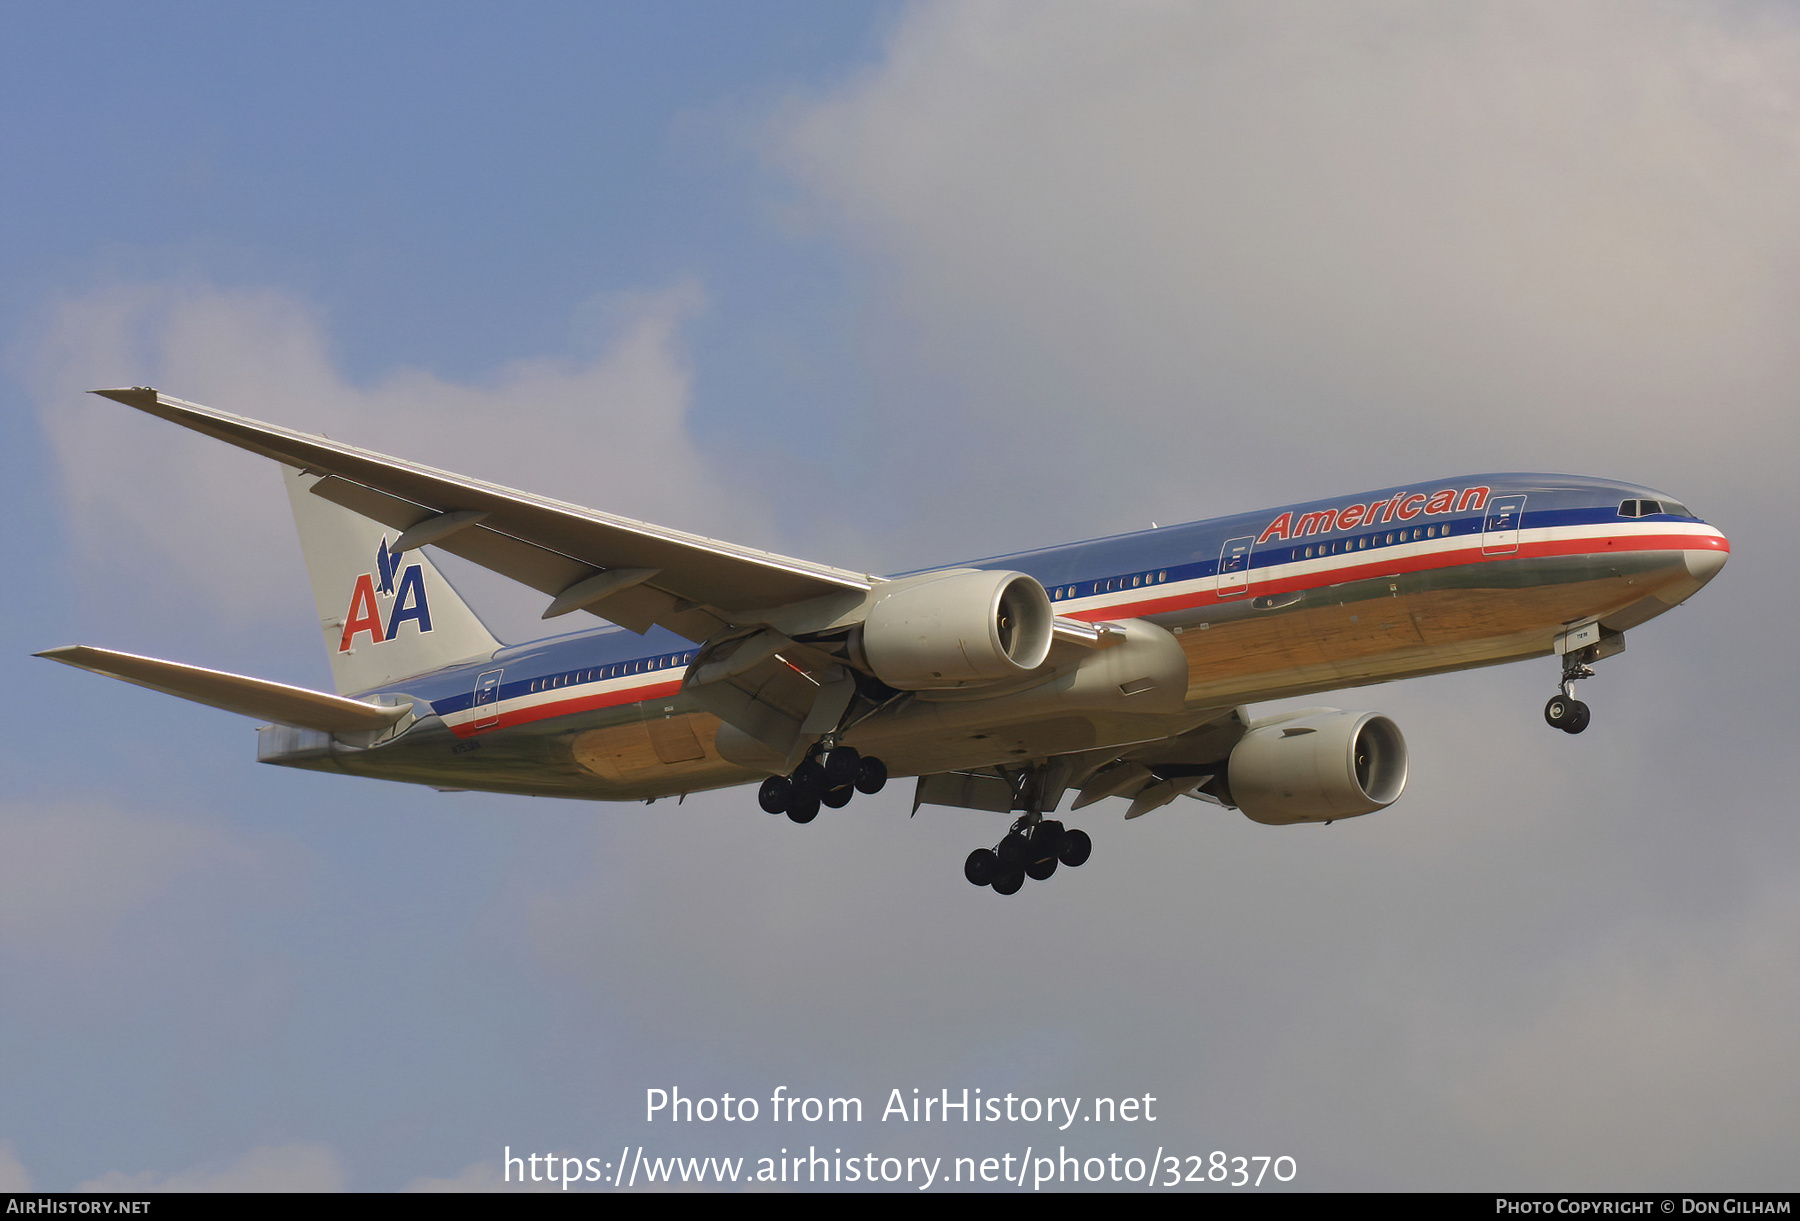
x,y
141,397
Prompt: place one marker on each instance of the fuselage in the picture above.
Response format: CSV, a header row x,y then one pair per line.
x,y
1290,601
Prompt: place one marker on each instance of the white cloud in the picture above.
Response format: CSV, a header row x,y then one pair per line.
x,y
482,1177
295,1167
1218,246
164,512
12,1173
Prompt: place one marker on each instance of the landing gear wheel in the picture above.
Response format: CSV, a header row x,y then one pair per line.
x,y
809,779
1009,883
803,809
871,774
837,799
1558,711
842,765
1076,848
1041,870
1578,717
981,867
775,794
1014,850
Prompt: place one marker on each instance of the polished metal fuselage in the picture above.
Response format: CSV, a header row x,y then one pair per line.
x,y
1258,610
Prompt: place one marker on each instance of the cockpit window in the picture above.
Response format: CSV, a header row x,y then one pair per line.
x,y
1652,508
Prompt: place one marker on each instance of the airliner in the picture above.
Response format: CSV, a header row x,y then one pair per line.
x,y
1119,667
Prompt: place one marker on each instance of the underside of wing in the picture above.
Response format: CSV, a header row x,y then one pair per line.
x,y
1150,775
632,573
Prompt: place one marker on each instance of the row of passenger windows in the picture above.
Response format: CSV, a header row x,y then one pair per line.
x,y
1369,540
1630,508
1111,585
602,673
1650,508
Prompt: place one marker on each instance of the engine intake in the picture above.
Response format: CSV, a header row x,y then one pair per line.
x,y
959,629
1317,766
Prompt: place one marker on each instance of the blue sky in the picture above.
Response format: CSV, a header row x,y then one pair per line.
x,y
891,285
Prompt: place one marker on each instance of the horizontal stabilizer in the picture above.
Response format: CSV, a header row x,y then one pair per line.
x,y
253,697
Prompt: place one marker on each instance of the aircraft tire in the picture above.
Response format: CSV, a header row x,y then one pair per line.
x,y
1557,711
1040,871
871,774
838,798
803,809
1579,716
841,766
1077,846
1008,883
775,794
981,867
1014,850
809,779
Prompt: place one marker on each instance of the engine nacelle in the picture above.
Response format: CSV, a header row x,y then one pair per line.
x,y
963,628
1317,766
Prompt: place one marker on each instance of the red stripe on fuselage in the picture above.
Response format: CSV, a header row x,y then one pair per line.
x,y
1396,565
567,707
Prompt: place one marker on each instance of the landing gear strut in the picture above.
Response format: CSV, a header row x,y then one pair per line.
x,y
1564,711
1035,845
830,776
1032,849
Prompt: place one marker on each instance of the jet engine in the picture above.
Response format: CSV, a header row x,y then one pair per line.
x,y
1317,766
960,628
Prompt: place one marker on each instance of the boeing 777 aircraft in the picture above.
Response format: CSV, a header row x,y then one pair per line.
x,y
1113,668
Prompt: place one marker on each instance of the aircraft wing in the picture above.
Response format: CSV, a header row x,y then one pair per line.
x,y
629,572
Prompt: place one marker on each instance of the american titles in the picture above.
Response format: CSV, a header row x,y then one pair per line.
x,y
1403,506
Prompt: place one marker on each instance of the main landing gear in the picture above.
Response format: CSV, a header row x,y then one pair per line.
x,y
1032,849
829,777
1564,711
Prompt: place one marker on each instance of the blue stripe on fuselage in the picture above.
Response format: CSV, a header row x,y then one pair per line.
x,y
1186,552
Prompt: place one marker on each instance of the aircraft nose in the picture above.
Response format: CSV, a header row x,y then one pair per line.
x,y
1705,560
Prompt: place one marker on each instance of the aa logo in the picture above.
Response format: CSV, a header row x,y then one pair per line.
x,y
403,603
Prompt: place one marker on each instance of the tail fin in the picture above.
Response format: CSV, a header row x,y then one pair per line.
x,y
384,616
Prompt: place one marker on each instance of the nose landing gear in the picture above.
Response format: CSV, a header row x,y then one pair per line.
x,y
1564,711
1567,714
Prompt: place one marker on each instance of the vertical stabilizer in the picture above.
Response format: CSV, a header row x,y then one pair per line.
x,y
384,616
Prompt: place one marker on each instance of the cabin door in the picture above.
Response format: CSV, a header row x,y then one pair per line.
x,y
1234,566
1500,533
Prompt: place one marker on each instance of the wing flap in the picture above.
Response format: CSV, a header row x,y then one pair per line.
x,y
253,697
